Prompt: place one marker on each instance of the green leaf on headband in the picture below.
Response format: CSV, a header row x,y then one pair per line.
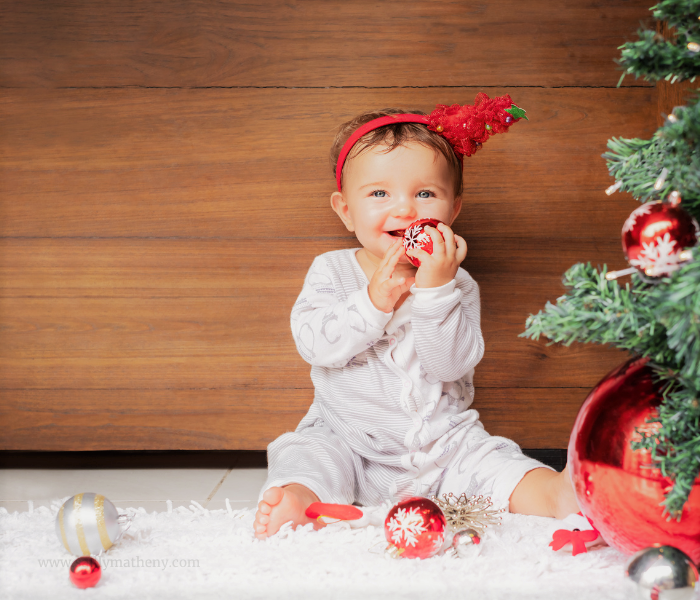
x,y
517,112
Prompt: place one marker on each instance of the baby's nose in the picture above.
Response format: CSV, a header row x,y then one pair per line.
x,y
404,208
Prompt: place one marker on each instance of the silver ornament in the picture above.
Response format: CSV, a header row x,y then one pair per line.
x,y
464,542
87,524
662,573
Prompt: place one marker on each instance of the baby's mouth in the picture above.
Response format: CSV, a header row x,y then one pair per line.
x,y
396,232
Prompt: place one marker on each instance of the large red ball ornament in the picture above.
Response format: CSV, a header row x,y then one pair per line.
x,y
85,572
654,236
415,236
415,528
614,489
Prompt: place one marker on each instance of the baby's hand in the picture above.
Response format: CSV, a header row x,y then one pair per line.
x,y
440,267
384,288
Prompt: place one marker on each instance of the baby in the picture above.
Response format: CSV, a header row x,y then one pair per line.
x,y
393,347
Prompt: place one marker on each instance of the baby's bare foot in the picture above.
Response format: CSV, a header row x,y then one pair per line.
x,y
282,504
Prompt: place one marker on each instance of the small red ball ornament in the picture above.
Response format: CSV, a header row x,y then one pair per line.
x,y
614,486
654,236
85,572
415,528
415,236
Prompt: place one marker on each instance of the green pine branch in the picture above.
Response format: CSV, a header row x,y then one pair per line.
x,y
636,164
655,58
675,449
681,15
659,321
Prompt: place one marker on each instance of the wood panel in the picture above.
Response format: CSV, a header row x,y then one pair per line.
x,y
164,185
207,419
321,43
172,314
193,163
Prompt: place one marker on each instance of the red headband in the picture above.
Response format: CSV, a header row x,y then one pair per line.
x,y
466,128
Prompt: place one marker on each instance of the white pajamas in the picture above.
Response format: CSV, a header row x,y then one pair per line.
x,y
390,415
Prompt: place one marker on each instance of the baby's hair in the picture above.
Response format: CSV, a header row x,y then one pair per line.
x,y
393,136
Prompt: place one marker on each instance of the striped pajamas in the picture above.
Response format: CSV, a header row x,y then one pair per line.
x,y
390,417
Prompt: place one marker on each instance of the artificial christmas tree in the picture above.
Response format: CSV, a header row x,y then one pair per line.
x,y
656,315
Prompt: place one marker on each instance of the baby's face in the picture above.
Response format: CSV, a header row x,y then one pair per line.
x,y
383,193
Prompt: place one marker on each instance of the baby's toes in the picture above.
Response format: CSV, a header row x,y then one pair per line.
x,y
273,496
263,508
258,526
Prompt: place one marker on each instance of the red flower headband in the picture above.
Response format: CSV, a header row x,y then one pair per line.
x,y
466,128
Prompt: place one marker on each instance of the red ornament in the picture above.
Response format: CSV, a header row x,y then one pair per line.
x,y
415,528
85,572
415,236
614,488
655,234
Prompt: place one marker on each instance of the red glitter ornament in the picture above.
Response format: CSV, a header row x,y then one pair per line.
x,y
614,486
654,236
85,572
415,236
415,528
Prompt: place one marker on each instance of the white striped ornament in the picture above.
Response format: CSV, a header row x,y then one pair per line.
x,y
87,524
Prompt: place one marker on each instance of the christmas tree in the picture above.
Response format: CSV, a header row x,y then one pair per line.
x,y
657,313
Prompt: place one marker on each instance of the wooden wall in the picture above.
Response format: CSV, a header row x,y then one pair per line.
x,y
165,186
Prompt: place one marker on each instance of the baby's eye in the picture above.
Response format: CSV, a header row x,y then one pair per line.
x,y
379,194
426,192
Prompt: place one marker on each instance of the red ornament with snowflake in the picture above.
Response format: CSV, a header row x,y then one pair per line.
x,y
415,236
415,528
654,236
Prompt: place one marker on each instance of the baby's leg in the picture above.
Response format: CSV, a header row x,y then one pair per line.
x,y
496,467
544,493
310,465
282,504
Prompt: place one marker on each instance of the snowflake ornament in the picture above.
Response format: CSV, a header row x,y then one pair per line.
x,y
657,256
415,236
631,221
415,528
655,235
406,525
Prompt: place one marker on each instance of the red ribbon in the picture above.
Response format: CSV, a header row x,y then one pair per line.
x,y
576,538
342,512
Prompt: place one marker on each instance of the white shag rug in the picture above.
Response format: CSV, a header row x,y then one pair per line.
x,y
197,553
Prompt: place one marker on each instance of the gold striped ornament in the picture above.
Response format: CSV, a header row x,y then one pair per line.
x,y
88,524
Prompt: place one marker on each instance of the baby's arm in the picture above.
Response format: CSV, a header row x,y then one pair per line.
x,y
446,327
328,331
446,310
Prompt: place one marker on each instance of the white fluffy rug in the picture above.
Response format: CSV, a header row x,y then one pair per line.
x,y
213,554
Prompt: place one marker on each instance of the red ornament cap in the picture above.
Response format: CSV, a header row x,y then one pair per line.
x,y
415,236
415,528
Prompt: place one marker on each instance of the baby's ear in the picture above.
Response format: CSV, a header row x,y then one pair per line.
x,y
340,206
456,208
